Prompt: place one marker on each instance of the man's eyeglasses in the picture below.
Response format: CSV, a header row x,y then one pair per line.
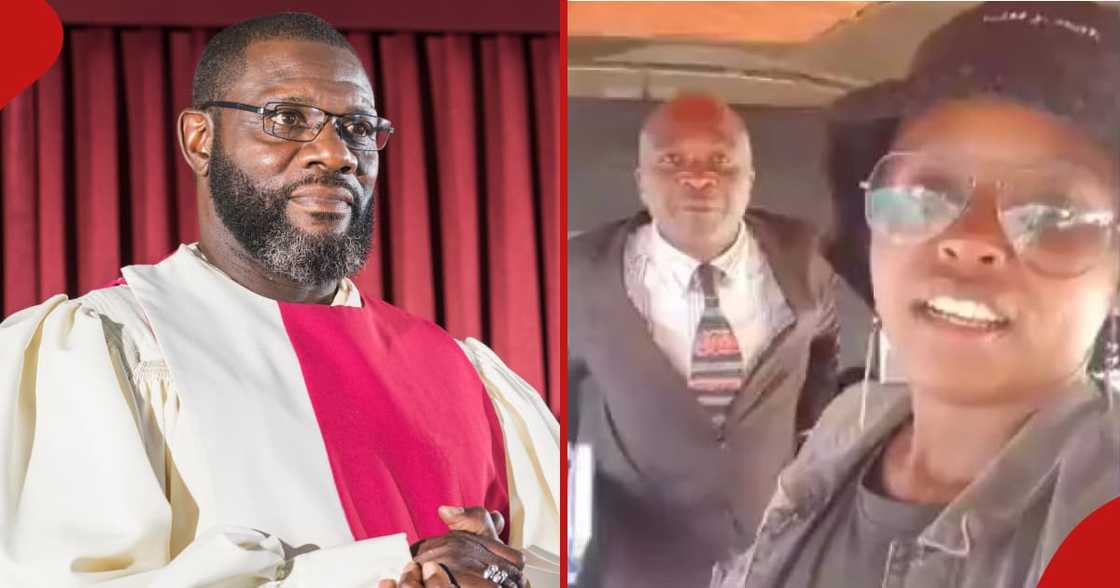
x,y
302,123
1057,217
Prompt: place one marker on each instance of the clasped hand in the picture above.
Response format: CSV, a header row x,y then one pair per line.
x,y
462,557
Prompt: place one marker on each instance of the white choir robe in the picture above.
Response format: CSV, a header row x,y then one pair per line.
x,y
114,476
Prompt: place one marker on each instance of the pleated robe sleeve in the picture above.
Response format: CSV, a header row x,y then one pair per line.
x,y
532,441
90,494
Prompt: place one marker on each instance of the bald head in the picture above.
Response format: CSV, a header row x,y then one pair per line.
x,y
695,173
694,114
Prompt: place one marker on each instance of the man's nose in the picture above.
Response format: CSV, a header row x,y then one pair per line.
x,y
697,181
329,151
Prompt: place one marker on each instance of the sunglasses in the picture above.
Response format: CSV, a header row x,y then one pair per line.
x,y
1059,218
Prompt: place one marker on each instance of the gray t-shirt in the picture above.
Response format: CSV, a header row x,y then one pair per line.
x,y
850,546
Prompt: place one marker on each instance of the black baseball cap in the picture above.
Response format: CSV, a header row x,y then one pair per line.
x,y
1058,57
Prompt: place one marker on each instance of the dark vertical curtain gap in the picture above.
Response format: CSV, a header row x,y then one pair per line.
x,y
33,146
170,150
481,183
124,211
431,166
382,245
535,174
70,192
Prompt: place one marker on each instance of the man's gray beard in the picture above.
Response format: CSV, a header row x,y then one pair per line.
x,y
258,219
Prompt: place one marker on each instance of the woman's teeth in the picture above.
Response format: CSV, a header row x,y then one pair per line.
x,y
968,313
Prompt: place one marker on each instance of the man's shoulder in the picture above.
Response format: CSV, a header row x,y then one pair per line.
x,y
595,244
114,310
597,238
119,306
111,300
407,335
404,325
787,230
793,247
116,302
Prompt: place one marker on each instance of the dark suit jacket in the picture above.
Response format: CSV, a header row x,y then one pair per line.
x,y
671,497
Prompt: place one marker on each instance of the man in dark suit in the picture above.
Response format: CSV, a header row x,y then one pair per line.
x,y
702,340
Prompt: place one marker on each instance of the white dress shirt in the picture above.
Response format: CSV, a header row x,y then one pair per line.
x,y
661,283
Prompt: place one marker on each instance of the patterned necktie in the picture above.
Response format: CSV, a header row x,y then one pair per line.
x,y
717,362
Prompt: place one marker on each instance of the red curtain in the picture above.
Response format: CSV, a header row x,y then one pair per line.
x,y
469,218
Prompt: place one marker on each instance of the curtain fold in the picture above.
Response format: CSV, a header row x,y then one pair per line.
x,y
149,146
456,165
549,94
515,303
468,230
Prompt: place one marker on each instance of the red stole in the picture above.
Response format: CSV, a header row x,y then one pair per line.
x,y
407,423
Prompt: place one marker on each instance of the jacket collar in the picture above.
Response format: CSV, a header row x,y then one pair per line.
x,y
992,503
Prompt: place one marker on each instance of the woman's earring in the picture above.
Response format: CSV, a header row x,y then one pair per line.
x,y
1112,356
872,339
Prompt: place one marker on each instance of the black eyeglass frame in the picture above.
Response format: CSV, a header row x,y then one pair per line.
x,y
381,124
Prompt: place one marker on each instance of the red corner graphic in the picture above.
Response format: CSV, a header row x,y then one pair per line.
x,y
30,41
1088,557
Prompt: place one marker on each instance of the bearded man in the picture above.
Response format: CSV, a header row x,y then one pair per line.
x,y
239,414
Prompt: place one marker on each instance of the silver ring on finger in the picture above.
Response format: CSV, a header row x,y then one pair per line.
x,y
496,574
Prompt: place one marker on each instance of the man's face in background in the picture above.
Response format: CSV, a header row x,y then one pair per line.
x,y
695,171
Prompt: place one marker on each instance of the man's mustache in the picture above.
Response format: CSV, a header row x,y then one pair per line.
x,y
326,180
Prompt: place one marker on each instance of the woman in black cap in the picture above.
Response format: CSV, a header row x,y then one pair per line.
x,y
993,213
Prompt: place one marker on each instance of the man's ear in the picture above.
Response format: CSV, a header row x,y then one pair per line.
x,y
196,135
